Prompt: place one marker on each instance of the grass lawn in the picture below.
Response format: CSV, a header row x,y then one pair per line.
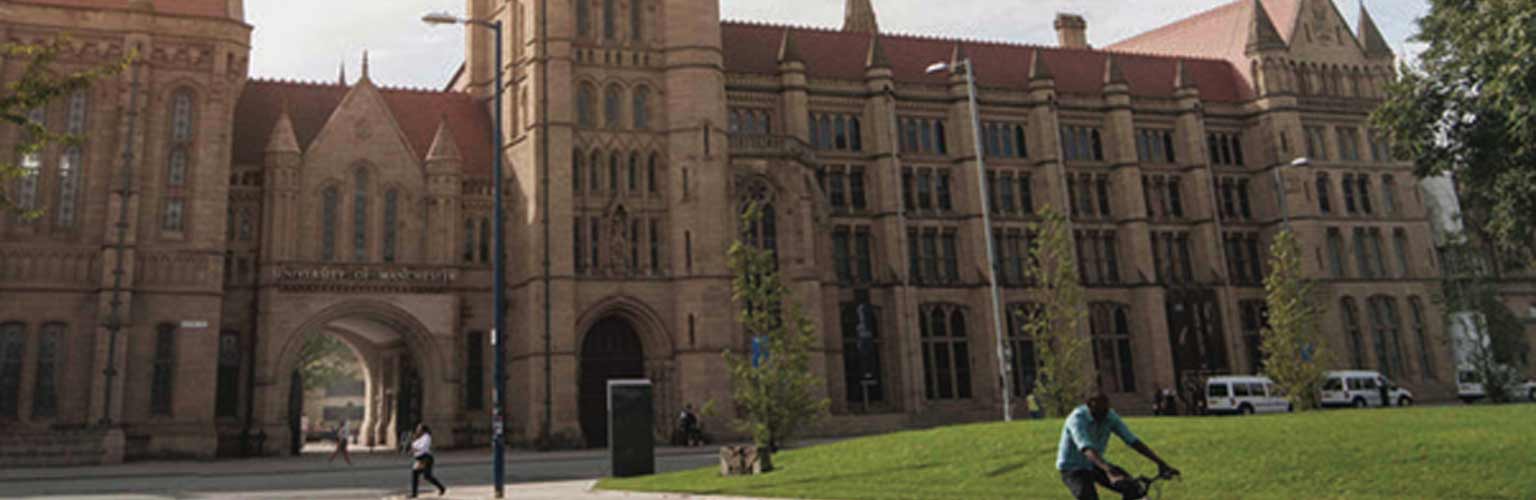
x,y
1459,452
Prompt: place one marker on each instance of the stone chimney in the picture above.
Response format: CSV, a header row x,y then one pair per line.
x,y
1071,31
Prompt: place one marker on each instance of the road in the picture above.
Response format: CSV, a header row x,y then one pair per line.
x,y
311,477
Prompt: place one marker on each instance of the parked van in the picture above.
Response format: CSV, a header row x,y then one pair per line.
x,y
1362,389
1244,395
1469,387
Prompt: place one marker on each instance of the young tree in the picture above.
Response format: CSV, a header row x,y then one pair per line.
x,y
1061,351
323,359
38,85
1466,110
777,391
1293,349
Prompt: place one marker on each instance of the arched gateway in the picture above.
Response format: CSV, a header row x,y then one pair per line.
x,y
610,350
398,360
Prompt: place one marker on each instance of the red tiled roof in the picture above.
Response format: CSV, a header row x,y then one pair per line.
x,y
310,105
1220,33
198,8
753,48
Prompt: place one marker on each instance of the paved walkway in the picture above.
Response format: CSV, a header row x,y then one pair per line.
x,y
565,490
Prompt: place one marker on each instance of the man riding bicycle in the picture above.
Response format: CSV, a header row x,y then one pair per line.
x,y
1084,439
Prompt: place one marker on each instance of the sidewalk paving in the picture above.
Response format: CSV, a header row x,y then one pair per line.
x,y
564,490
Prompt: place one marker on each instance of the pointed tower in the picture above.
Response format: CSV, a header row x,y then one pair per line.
x,y
877,57
445,179
282,162
341,73
1262,35
365,77
1371,41
859,17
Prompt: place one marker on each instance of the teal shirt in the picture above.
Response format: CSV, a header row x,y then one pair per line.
x,y
1081,432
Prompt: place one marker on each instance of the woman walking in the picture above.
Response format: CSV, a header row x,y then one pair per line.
x,y
343,436
421,449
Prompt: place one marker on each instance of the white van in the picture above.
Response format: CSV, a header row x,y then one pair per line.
x,y
1362,389
1244,395
1469,387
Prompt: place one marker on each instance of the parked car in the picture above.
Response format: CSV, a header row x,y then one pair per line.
x,y
1469,387
1244,395
1362,389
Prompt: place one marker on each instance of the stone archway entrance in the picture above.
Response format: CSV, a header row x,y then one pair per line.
x,y
610,350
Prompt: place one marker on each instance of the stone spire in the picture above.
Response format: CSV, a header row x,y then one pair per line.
x,y
444,147
283,140
1262,34
341,75
789,51
1370,37
1038,70
859,16
365,77
877,57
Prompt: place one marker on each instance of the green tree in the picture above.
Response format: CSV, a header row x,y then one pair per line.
x,y
778,397
1292,345
324,359
1491,343
39,84
1061,351
1467,110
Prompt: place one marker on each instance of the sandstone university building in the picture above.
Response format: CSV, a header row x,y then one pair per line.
x,y
257,212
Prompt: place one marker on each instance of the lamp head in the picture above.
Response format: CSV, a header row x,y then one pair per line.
x,y
938,67
1301,162
441,18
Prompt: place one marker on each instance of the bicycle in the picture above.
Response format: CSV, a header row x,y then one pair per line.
x,y
1146,484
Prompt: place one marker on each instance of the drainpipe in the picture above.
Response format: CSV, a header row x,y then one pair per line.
x,y
543,158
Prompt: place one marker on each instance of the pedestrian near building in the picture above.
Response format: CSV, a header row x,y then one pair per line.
x,y
343,436
1033,405
421,464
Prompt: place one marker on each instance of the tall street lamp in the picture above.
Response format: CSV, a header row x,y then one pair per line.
x,y
498,260
986,221
1285,209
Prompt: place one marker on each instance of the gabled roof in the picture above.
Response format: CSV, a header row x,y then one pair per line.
x,y
196,8
1222,32
753,48
310,105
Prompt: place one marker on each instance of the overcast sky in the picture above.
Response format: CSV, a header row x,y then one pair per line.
x,y
310,43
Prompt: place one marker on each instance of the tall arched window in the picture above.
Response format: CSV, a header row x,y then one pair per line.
x,y
636,19
45,396
69,163
1385,327
650,174
642,111
469,240
1426,356
164,374
1021,347
613,171
485,240
1352,333
31,166
586,106
13,340
1111,329
946,353
360,216
861,352
178,161
391,219
634,172
329,206
611,110
583,17
576,169
610,25
596,165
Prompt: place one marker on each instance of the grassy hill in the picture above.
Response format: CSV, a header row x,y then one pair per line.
x,y
1441,452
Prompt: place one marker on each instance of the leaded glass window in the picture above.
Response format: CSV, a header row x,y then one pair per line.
x,y
13,339
391,220
611,107
360,217
946,353
328,208
45,397
164,370
642,108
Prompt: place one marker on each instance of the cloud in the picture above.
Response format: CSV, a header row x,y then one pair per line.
x,y
308,43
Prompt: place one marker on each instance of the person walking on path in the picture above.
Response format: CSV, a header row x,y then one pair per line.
x,y
690,427
343,436
1085,438
421,465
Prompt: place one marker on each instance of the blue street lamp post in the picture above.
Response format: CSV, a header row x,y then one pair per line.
x,y
498,260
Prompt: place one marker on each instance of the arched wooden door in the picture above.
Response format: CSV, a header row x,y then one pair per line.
x,y
611,350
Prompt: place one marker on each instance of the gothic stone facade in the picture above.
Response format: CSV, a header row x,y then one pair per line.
x,y
262,212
